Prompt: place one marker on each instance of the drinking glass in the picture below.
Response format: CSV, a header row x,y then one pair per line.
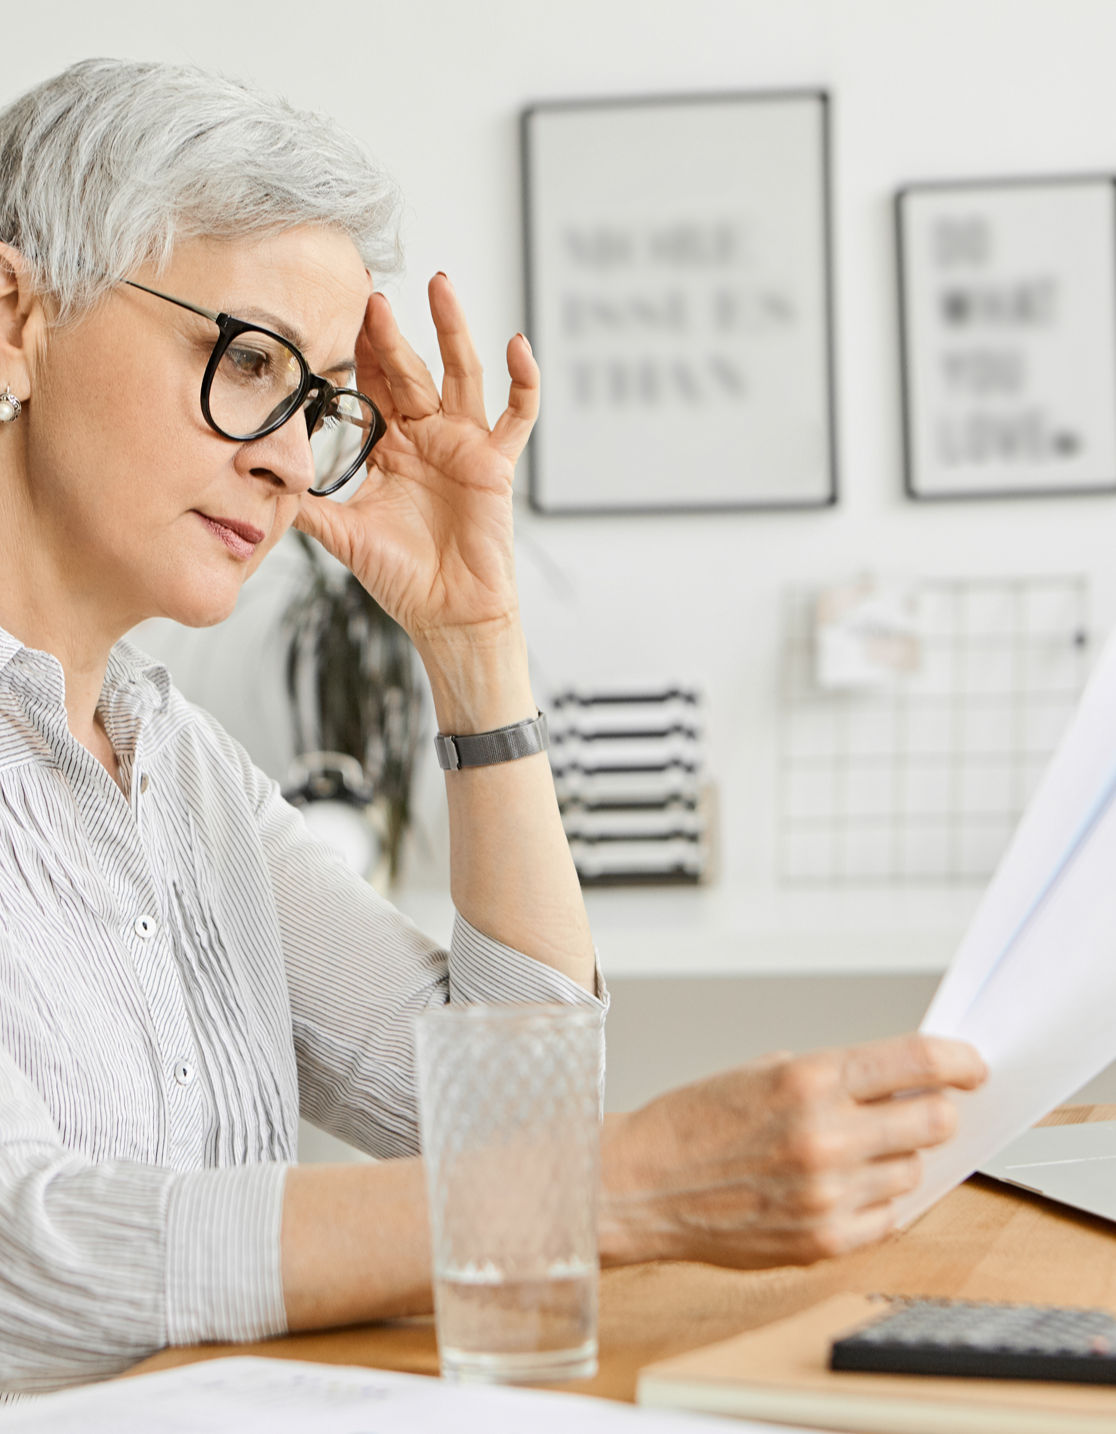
x,y
510,1107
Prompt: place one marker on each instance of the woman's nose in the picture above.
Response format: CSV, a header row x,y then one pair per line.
x,y
285,455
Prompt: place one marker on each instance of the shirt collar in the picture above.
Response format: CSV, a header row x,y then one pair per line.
x,y
9,647
130,675
129,668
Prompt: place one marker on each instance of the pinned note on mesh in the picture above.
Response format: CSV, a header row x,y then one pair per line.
x,y
1033,983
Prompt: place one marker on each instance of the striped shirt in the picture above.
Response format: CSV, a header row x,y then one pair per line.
x,y
183,971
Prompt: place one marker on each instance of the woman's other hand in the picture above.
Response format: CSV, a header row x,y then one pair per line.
x,y
784,1161
429,533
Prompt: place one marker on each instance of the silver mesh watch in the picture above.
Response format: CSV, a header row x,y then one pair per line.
x,y
484,749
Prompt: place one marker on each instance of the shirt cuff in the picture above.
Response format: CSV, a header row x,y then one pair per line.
x,y
224,1280
484,971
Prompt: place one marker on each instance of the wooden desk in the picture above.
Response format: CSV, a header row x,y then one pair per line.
x,y
981,1242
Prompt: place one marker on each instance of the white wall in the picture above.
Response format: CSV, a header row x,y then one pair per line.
x,y
952,88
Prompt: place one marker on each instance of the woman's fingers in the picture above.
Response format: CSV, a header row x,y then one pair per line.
x,y
399,383
462,376
840,1212
326,523
864,1227
371,378
895,1127
793,1158
829,1237
413,392
513,427
914,1062
883,1180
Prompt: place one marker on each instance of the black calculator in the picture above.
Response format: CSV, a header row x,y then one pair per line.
x,y
984,1340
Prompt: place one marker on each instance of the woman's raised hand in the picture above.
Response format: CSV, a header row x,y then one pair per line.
x,y
784,1161
429,533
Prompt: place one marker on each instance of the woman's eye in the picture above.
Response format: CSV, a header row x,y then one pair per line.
x,y
248,363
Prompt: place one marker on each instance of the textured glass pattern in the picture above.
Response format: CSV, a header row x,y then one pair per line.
x,y
509,1108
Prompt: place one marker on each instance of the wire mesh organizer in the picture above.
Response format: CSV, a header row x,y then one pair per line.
x,y
922,782
628,773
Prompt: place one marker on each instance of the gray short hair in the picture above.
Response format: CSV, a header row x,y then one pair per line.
x,y
111,163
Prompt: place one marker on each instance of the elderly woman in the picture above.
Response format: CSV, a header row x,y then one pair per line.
x,y
193,357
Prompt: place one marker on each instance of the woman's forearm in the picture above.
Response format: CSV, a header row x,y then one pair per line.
x,y
786,1160
355,1243
511,872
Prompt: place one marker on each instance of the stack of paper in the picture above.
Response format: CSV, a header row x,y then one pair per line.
x,y
1033,985
283,1396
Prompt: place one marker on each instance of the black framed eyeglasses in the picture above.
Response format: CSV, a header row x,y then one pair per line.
x,y
256,380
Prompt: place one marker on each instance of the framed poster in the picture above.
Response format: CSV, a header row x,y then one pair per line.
x,y
679,302
1007,299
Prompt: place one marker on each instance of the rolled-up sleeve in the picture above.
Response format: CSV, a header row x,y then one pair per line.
x,y
223,1273
486,972
101,1264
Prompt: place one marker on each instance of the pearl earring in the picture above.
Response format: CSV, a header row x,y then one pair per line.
x,y
10,406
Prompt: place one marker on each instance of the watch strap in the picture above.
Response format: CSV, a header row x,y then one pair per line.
x,y
485,749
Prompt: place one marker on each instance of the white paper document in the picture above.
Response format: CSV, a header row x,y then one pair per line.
x,y
1033,984
284,1396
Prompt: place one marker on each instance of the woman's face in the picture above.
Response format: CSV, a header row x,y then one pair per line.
x,y
127,483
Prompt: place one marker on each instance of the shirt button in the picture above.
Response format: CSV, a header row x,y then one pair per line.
x,y
184,1073
145,926
144,784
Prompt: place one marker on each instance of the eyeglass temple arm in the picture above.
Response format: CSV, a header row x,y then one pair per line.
x,y
182,304
216,318
348,417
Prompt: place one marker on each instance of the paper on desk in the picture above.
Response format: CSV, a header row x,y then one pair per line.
x,y
1033,984
284,1396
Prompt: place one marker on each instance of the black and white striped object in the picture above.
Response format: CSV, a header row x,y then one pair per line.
x,y
184,969
628,773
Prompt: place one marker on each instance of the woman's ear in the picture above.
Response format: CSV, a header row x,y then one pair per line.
x,y
22,324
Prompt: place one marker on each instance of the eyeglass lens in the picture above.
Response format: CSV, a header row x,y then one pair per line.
x,y
339,436
256,384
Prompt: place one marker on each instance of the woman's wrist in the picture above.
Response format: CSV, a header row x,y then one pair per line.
x,y
620,1239
478,676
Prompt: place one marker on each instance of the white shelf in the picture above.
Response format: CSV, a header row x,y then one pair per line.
x,y
669,931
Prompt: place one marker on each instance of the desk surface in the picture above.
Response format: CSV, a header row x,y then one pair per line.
x,y
981,1242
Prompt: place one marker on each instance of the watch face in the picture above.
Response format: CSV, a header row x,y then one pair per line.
x,y
347,831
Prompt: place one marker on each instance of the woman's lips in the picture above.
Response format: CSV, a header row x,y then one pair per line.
x,y
241,539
